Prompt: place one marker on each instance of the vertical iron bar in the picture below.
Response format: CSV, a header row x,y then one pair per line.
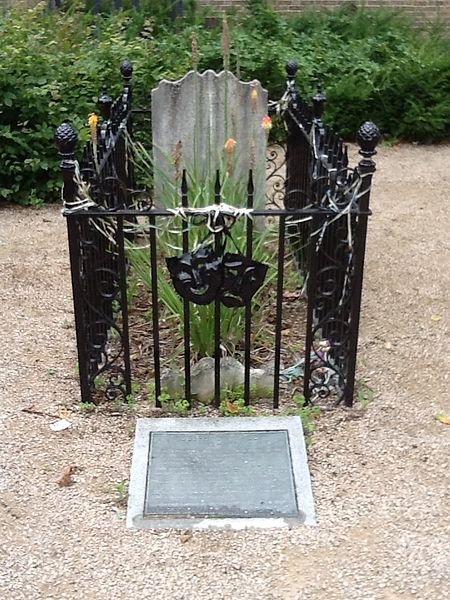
x,y
119,164
186,307
248,306
217,351
155,310
360,242
78,305
124,302
312,267
279,312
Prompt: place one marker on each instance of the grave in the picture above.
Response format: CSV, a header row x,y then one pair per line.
x,y
227,472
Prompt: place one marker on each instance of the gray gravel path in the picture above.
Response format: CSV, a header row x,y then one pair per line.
x,y
380,475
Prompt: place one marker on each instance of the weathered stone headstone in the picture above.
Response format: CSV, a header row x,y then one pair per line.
x,y
193,121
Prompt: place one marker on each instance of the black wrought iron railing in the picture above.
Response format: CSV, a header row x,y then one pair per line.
x,y
323,223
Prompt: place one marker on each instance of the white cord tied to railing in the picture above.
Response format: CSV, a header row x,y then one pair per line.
x,y
216,215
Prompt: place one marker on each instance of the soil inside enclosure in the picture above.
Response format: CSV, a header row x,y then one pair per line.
x,y
380,472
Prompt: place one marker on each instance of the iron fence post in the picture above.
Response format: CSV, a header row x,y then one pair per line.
x,y
297,146
124,165
66,139
368,137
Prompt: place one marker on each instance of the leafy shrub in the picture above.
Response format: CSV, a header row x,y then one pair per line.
x,y
52,64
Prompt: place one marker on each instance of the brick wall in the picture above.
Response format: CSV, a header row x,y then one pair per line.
x,y
422,11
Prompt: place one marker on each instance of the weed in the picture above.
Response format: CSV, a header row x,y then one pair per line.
x,y
165,400
182,406
307,415
364,393
121,488
151,392
233,404
131,399
51,371
99,382
86,407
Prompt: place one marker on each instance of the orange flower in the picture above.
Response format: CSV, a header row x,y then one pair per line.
x,y
92,120
266,123
229,147
230,144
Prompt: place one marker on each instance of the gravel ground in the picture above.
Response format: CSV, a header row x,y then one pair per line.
x,y
380,475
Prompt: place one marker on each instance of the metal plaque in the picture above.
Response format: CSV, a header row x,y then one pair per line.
x,y
220,474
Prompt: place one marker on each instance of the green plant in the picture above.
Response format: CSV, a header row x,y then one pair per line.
x,y
232,402
307,415
169,404
201,409
165,400
87,407
150,392
364,393
131,398
52,64
181,407
121,489
99,382
200,194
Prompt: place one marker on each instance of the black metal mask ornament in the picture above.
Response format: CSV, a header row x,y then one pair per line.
x,y
197,275
242,277
205,275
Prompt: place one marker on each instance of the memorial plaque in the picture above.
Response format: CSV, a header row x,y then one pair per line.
x,y
204,473
220,474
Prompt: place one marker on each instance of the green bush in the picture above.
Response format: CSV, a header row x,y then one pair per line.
x,y
52,64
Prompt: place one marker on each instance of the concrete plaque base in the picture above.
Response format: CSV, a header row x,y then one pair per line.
x,y
228,472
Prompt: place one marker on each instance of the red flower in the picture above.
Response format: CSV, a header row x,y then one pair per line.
x,y
266,123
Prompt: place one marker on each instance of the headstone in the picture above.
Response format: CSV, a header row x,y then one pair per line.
x,y
193,121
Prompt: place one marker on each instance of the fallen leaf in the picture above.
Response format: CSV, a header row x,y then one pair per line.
x,y
66,477
285,331
231,407
436,317
63,413
185,537
442,418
